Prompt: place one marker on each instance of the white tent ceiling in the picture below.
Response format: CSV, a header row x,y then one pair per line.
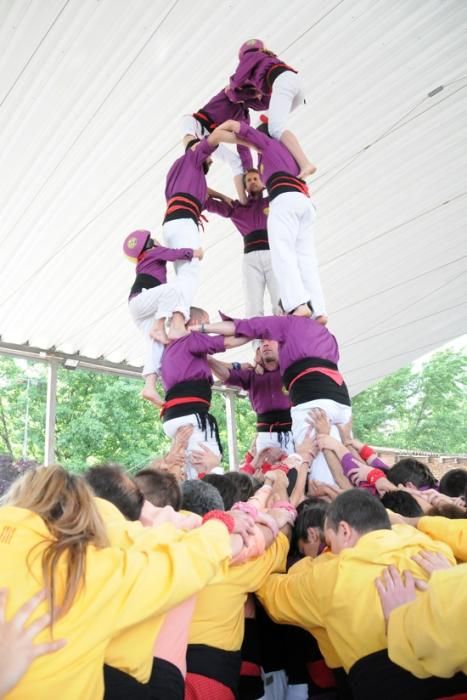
x,y
91,94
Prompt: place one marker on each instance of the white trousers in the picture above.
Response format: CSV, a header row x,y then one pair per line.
x,y
337,413
198,437
190,125
287,94
265,440
148,306
184,233
291,224
275,685
257,275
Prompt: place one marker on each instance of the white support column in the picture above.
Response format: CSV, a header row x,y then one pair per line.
x,y
49,449
230,399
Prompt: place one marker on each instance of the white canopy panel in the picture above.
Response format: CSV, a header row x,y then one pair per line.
x,y
91,95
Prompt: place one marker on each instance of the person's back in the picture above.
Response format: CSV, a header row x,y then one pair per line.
x,y
338,595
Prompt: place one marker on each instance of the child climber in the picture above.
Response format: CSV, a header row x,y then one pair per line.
x,y
153,301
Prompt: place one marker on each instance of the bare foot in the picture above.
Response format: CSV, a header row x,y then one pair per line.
x,y
322,320
153,397
302,310
307,170
158,334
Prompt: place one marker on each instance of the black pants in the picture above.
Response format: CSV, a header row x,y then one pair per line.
x,y
166,683
376,676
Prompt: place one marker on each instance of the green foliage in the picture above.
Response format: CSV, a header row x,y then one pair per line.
x,y
424,409
101,417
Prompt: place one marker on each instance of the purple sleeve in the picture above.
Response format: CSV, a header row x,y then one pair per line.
x,y
216,206
254,136
245,157
202,344
172,254
378,463
202,151
266,327
240,377
348,463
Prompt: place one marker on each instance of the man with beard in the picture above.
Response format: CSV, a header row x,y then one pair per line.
x,y
250,220
264,387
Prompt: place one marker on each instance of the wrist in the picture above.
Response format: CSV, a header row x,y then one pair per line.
x,y
223,517
374,475
236,366
203,328
365,452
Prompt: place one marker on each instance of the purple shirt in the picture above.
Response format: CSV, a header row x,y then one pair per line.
x,y
220,109
187,175
275,157
298,337
264,390
249,79
185,359
154,261
252,216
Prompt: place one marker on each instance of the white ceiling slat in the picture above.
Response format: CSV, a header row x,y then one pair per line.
x,y
91,95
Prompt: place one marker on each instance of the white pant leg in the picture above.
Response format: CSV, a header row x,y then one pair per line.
x,y
190,125
149,305
297,691
287,94
271,282
254,284
198,437
184,233
275,685
337,413
272,439
285,212
308,259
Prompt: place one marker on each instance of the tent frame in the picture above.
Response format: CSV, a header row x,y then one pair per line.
x,y
55,359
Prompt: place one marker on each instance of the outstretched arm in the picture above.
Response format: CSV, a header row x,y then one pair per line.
x,y
220,369
232,342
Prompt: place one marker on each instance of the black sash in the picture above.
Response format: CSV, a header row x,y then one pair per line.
x,y
255,240
314,385
222,666
182,205
282,182
143,281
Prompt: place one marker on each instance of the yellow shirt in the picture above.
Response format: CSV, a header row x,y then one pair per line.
x,y
339,596
453,532
123,588
428,637
219,619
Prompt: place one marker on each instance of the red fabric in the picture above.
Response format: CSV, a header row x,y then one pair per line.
x,y
366,452
374,475
331,373
202,688
249,457
247,469
225,518
249,669
182,400
460,696
320,674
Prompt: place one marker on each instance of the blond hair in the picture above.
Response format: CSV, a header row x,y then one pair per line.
x,y
65,504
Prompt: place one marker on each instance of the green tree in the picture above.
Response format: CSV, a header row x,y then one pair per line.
x,y
424,408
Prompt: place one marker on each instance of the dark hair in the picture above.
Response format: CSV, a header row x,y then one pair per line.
x,y
403,503
360,509
111,482
228,489
159,488
244,484
250,170
200,497
191,143
312,515
449,510
409,469
263,128
454,482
